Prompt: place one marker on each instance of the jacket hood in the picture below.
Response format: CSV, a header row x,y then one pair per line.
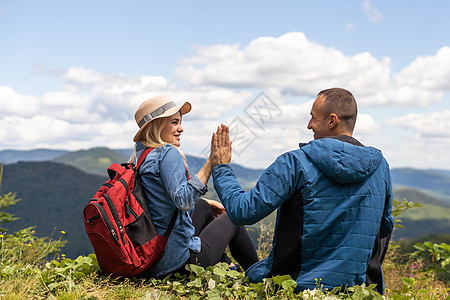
x,y
341,161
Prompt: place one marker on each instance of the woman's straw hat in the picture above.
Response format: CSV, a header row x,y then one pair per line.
x,y
157,107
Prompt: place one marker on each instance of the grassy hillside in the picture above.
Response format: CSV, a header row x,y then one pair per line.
x,y
428,212
423,179
53,196
418,196
433,217
94,161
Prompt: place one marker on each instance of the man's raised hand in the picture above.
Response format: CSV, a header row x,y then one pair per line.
x,y
221,146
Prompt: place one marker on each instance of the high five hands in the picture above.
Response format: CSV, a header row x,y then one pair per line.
x,y
221,146
220,154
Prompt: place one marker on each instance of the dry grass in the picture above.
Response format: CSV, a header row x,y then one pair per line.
x,y
427,285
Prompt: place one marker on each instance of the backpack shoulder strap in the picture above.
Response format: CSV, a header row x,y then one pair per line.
x,y
143,156
171,223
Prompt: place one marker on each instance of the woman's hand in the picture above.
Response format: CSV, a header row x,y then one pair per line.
x,y
221,146
216,207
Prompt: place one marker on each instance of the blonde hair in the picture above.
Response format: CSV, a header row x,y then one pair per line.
x,y
151,136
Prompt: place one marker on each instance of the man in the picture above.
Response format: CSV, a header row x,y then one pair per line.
x,y
333,198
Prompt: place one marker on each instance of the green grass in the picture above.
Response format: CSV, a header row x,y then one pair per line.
x,y
428,212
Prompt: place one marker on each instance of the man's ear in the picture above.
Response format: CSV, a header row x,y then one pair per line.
x,y
333,121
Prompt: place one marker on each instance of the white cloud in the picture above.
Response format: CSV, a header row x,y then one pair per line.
x,y
64,99
404,96
372,13
294,65
430,72
290,62
366,125
99,110
428,125
12,103
83,76
416,152
210,102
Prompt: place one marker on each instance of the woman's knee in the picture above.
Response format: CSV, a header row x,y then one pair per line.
x,y
202,205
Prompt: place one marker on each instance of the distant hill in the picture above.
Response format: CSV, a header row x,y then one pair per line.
x,y
434,180
445,172
97,161
12,156
53,196
94,161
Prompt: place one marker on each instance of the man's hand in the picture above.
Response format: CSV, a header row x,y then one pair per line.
x,y
216,207
221,146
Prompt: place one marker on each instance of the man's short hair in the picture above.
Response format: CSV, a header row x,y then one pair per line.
x,y
342,103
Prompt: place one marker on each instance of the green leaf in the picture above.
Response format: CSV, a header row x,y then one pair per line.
x,y
195,269
408,281
280,278
335,290
214,294
197,282
289,284
93,257
79,275
234,274
219,271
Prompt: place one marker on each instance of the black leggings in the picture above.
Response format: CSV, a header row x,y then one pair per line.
x,y
218,233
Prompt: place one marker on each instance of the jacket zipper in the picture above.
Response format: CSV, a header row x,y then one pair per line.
x,y
107,222
116,216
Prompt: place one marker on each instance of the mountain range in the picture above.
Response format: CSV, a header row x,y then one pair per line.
x,y
55,185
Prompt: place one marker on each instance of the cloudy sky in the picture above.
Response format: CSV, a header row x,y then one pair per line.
x,y
72,73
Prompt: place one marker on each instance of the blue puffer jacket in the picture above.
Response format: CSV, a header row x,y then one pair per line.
x,y
332,199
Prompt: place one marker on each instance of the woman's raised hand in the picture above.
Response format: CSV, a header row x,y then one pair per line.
x,y
221,146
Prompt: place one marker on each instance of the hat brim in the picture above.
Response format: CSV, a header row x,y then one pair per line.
x,y
182,108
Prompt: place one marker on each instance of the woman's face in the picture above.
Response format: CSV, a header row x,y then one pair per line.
x,y
172,129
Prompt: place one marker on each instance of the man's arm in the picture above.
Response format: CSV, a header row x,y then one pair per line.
x,y
276,185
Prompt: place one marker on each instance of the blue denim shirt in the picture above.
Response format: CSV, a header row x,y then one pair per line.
x,y
163,175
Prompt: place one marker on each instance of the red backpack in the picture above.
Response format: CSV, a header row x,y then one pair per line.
x,y
120,228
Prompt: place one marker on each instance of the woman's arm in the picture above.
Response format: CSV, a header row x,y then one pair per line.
x,y
205,172
182,192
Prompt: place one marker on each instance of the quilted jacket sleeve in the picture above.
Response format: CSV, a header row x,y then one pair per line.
x,y
278,182
387,221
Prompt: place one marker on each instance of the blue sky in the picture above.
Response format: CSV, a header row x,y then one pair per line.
x,y
72,73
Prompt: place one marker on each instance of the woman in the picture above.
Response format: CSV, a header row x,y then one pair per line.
x,y
168,188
